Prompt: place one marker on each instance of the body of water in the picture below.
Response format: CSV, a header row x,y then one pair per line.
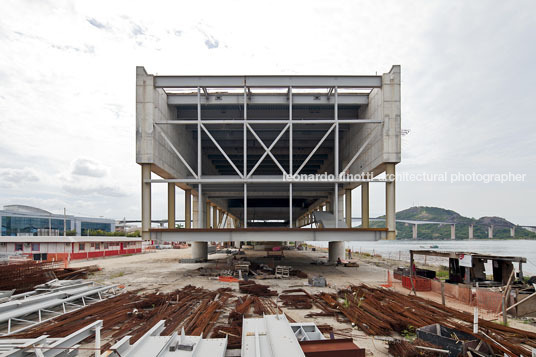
x,y
400,248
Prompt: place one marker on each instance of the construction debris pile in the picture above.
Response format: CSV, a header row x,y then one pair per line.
x,y
195,309
252,288
23,276
220,313
378,311
416,348
296,299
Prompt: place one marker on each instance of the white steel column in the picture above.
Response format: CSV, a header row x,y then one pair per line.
x,y
290,145
199,133
171,205
199,171
290,223
145,201
336,133
245,156
290,141
245,205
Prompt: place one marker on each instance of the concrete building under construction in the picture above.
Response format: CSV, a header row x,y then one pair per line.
x,y
268,158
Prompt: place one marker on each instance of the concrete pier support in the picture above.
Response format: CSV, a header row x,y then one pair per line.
x,y
490,232
171,205
145,202
335,250
365,205
348,207
452,231
390,208
188,208
200,250
512,232
471,231
414,231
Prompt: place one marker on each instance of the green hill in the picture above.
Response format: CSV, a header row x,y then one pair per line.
x,y
433,231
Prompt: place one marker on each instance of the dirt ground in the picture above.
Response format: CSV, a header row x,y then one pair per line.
x,y
161,270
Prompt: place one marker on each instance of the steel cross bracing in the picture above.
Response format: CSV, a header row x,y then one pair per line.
x,y
245,177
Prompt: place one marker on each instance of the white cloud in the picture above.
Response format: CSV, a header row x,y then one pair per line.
x,y
87,167
18,175
68,70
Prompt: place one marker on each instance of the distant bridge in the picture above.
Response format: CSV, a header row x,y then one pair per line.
x,y
414,223
490,227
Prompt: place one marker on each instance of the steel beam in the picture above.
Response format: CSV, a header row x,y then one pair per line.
x,y
268,179
282,99
267,81
268,121
268,234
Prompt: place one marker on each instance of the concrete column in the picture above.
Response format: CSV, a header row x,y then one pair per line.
x,y
195,212
220,217
365,205
214,217
340,209
452,231
188,208
200,250
336,250
490,232
414,231
348,207
145,201
390,208
512,232
207,217
171,205
471,231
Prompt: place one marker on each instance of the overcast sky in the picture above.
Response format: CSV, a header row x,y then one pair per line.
x,y
67,89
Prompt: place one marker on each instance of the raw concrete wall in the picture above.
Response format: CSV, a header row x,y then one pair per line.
x,y
385,146
151,148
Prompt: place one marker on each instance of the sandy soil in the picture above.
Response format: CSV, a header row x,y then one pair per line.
x,y
162,271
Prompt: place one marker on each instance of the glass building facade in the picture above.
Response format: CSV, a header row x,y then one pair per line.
x,y
94,226
26,220
13,225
